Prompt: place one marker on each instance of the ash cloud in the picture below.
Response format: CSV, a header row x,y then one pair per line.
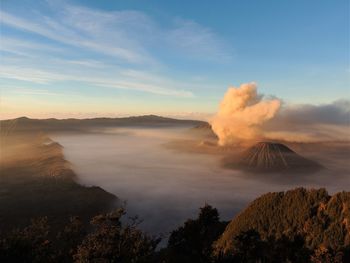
x,y
241,114
336,113
311,123
245,117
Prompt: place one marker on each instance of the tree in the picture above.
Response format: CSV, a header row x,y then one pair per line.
x,y
68,239
287,249
328,255
193,241
30,244
249,247
112,242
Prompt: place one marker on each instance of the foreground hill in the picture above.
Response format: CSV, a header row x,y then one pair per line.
x,y
323,220
46,125
299,226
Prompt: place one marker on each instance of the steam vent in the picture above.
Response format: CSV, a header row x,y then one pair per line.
x,y
275,157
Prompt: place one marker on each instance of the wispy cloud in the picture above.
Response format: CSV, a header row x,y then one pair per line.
x,y
123,34
23,91
111,49
17,45
196,40
31,75
87,63
70,35
41,76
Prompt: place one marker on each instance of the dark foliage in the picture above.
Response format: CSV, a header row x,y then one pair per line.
x,y
250,248
322,220
30,244
193,241
110,240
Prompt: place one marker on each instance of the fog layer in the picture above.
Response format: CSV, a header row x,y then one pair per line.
x,y
165,187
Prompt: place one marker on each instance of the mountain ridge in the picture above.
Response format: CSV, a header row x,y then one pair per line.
x,y
72,124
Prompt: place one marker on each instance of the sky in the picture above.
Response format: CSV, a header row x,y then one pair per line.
x,y
88,58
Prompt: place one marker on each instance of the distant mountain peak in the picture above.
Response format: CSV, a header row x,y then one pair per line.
x,y
23,118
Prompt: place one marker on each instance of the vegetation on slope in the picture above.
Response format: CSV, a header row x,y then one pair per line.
x,y
113,239
107,240
322,220
37,182
192,242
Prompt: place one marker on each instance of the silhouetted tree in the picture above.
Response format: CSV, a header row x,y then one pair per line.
x,y
247,247
112,242
30,244
193,241
69,238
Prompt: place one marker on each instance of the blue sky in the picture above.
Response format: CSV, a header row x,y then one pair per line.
x,y
96,58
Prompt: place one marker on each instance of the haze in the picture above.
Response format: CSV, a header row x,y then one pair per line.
x,y
165,186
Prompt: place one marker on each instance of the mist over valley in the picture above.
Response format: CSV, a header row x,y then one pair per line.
x,y
165,185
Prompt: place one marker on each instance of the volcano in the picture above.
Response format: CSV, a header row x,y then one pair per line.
x,y
275,157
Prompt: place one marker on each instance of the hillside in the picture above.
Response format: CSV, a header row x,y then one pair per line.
x,y
36,181
323,220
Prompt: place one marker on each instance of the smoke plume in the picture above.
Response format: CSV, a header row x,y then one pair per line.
x,y
241,114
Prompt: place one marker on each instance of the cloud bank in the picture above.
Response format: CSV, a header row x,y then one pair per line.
x,y
311,123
